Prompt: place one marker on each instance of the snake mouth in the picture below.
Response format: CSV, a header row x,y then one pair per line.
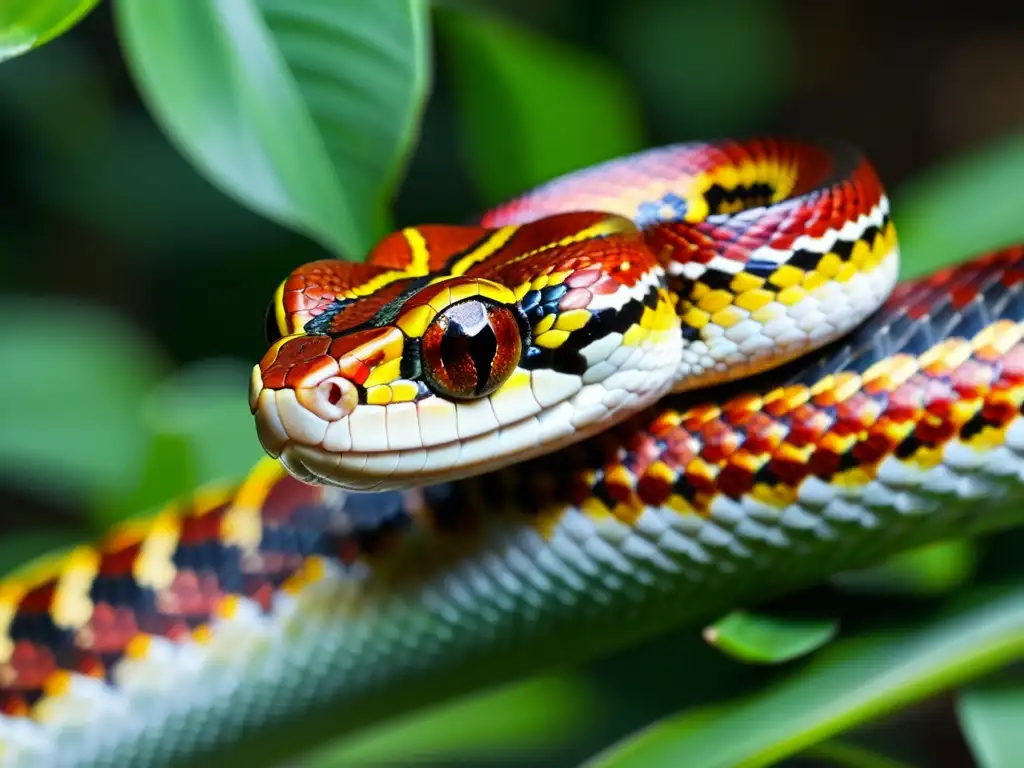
x,y
555,427
408,444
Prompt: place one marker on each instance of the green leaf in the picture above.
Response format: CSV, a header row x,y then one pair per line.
x,y
71,385
207,404
530,108
168,471
305,112
848,683
991,716
37,93
28,24
930,570
765,639
201,431
702,73
838,754
17,549
100,188
962,207
513,719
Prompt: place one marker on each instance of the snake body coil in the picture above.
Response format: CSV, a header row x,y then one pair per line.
x,y
241,613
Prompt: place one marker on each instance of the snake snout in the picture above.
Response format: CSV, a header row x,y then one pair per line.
x,y
301,413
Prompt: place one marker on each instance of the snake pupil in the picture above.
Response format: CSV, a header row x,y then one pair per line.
x,y
470,349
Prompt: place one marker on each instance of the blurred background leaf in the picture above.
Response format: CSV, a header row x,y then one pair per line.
x,y
928,570
72,396
206,404
20,548
168,471
518,720
838,754
964,206
705,68
992,715
305,113
27,24
92,190
529,108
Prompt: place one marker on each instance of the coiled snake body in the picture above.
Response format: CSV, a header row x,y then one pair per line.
x,y
820,435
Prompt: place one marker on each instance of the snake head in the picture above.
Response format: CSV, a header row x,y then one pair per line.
x,y
455,350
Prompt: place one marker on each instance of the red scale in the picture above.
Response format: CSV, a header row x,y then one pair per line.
x,y
719,442
197,529
735,480
807,425
654,489
1011,373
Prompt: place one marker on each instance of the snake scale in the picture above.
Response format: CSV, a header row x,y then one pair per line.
x,y
640,395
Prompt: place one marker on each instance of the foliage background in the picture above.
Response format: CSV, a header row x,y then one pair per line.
x,y
133,290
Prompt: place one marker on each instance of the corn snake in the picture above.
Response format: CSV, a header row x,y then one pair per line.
x,y
319,599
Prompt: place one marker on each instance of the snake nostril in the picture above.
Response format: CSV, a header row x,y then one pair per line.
x,y
335,398
332,399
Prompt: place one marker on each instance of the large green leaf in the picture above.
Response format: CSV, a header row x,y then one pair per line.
x,y
530,108
305,112
27,24
848,683
71,384
991,716
962,207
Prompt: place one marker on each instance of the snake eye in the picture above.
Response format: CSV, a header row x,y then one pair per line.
x,y
271,329
470,349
